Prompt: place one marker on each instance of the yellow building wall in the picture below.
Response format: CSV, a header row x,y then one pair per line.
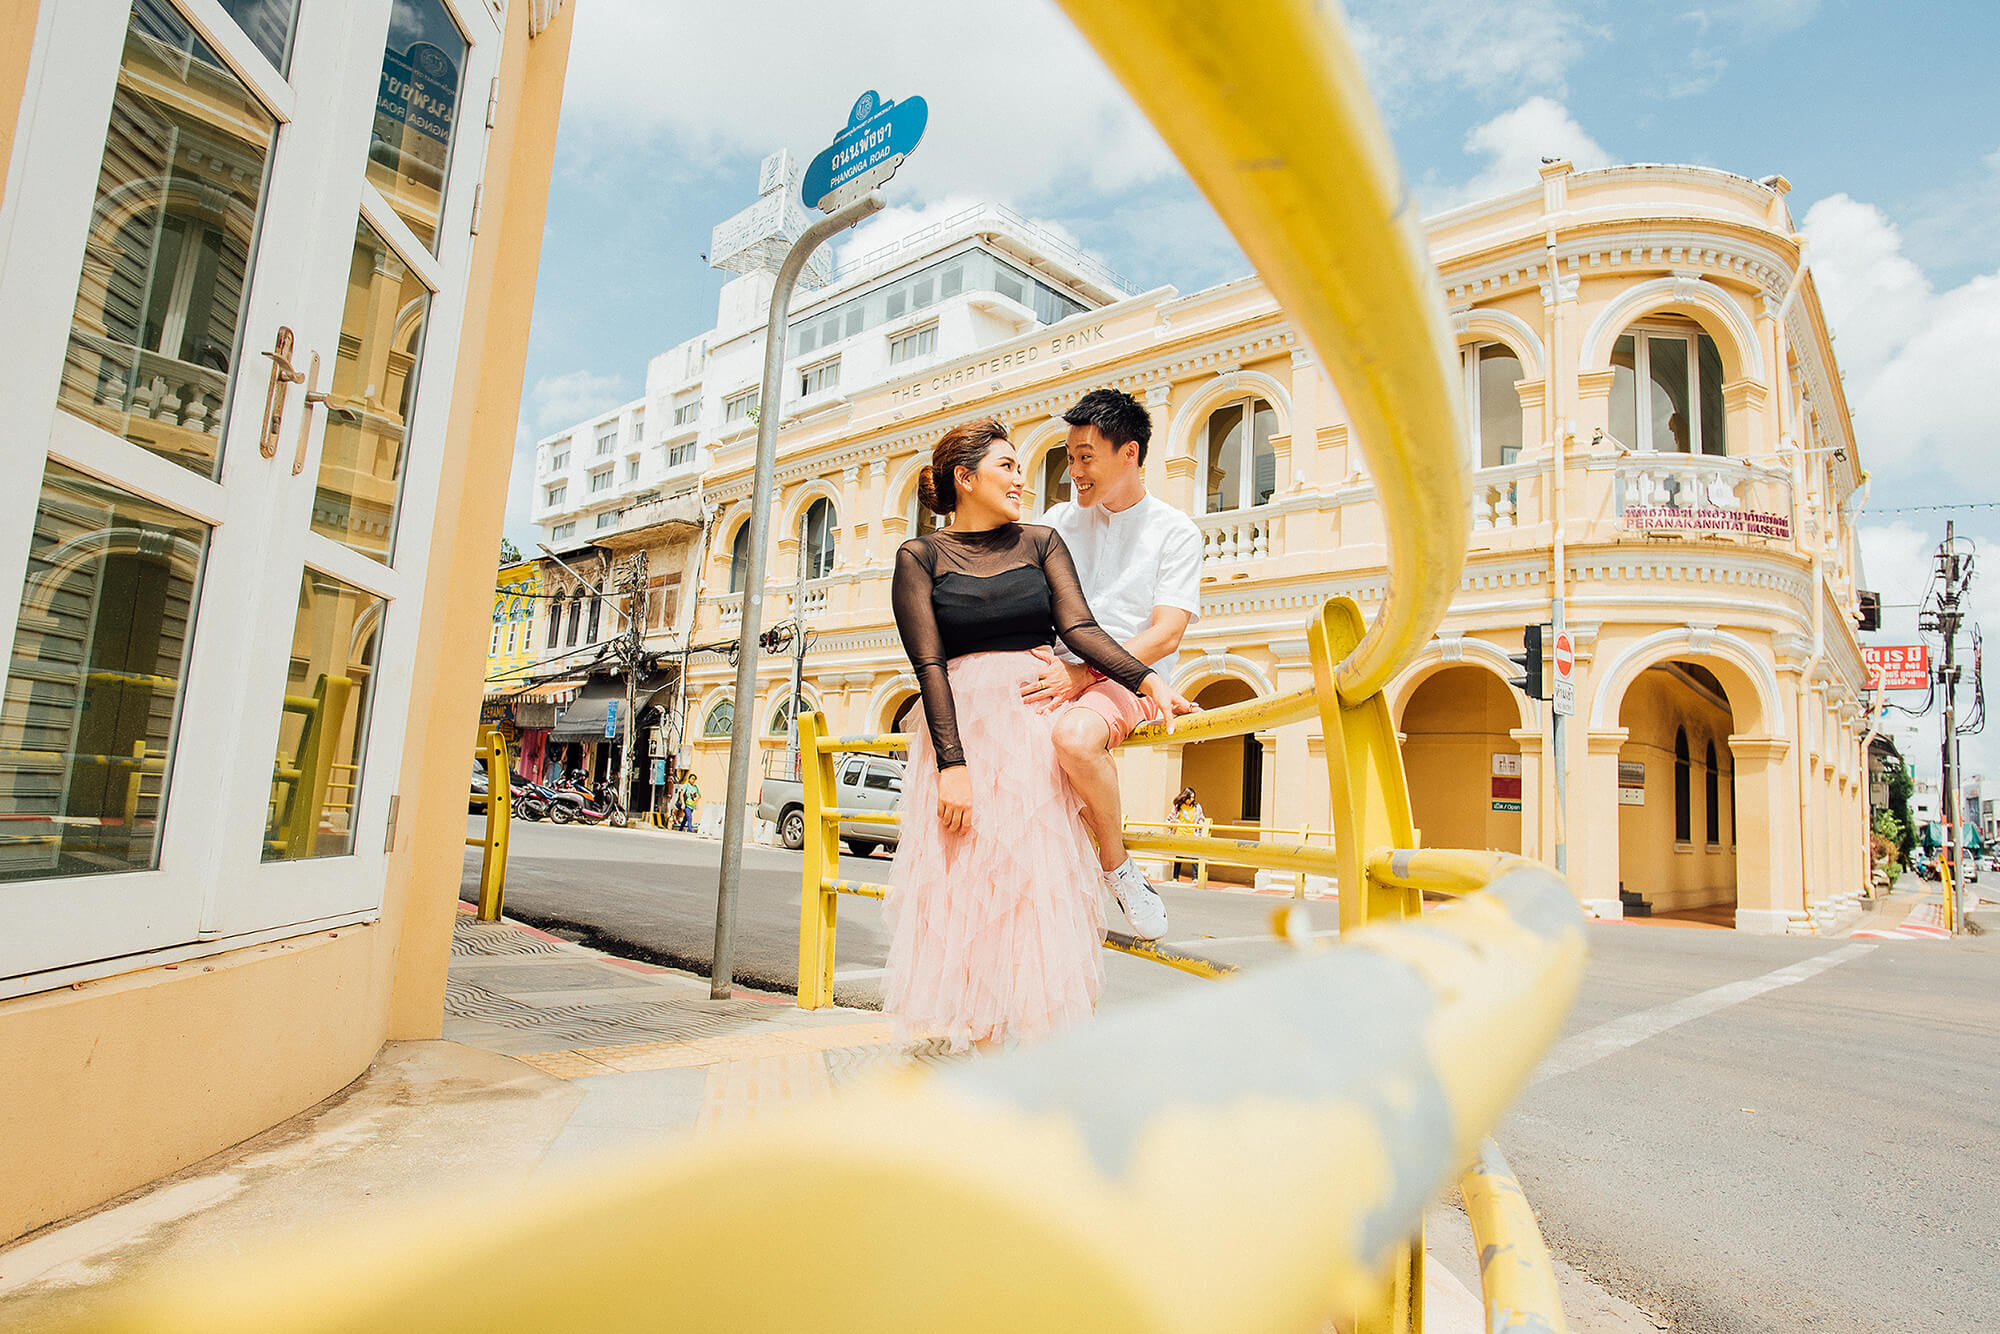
x,y
114,1083
1671,873
1453,726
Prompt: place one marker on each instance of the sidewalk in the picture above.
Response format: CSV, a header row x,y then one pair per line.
x,y
552,1055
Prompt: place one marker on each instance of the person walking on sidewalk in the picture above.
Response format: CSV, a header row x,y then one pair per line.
x,y
993,912
1140,562
1186,819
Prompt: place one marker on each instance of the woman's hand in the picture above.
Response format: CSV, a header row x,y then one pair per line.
x,y
955,799
1167,702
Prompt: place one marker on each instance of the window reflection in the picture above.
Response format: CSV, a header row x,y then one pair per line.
x,y
89,719
269,24
160,303
819,540
1232,481
416,107
374,377
316,778
1055,477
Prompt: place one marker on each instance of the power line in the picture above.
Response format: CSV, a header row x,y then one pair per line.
x,y
1926,509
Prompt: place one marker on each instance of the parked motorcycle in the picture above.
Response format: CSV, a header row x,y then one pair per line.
x,y
598,805
532,801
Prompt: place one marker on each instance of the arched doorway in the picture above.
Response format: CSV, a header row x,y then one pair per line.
x,y
1227,774
1677,796
1462,764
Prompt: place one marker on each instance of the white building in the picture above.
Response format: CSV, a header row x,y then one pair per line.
x,y
978,278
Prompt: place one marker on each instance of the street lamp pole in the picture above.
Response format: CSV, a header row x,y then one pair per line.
x,y
769,400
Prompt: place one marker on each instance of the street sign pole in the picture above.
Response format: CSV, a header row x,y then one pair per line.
x,y
740,733
1561,705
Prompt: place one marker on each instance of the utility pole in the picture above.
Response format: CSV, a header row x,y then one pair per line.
x,y
799,642
632,647
1954,573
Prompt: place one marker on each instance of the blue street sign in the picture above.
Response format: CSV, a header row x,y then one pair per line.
x,y
659,772
611,717
879,135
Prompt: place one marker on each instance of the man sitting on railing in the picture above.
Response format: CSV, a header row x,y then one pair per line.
x,y
1139,561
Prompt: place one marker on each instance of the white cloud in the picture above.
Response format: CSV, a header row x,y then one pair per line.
x,y
1414,49
1021,108
1918,363
1511,147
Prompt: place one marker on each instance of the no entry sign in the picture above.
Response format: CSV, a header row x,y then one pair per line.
x,y
1563,697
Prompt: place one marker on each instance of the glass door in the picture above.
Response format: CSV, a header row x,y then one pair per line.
x,y
234,247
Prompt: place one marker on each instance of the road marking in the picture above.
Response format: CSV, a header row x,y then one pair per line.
x,y
1608,1039
1196,942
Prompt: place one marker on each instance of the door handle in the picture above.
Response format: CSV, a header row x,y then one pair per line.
x,y
282,374
314,398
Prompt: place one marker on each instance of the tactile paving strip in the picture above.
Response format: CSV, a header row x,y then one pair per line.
x,y
471,938
596,1025
848,1066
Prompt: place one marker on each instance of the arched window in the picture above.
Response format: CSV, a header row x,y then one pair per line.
x,y
1054,486
1666,391
1683,812
575,619
819,539
596,616
555,621
781,717
721,719
1712,796
739,558
1240,467
1493,417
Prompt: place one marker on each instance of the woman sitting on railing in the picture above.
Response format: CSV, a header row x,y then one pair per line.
x,y
993,910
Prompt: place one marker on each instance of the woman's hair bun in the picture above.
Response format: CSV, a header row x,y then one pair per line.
x,y
935,499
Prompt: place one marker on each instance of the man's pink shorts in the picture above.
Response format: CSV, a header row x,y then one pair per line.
x,y
1120,708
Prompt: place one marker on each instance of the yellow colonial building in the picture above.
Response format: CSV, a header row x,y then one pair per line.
x,y
1660,439
260,349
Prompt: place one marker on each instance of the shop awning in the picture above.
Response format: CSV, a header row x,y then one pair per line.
x,y
548,692
584,719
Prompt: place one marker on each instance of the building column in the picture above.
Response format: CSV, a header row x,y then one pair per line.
x,y
1769,879
1593,841
1537,815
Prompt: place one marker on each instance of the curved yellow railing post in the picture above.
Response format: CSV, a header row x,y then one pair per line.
x,y
1266,105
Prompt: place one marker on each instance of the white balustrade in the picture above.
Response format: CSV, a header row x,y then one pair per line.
x,y
1494,504
1237,535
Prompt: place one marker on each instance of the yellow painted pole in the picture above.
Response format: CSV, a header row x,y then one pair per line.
x,y
819,908
1516,1279
1267,106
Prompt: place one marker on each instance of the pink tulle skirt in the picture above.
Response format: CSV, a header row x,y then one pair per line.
x,y
995,932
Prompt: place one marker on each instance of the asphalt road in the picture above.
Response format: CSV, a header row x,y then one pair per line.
x,y
1820,1156
1729,1150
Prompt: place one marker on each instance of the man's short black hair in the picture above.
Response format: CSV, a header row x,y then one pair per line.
x,y
1118,417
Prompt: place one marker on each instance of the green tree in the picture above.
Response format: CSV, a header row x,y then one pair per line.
x,y
1901,786
509,553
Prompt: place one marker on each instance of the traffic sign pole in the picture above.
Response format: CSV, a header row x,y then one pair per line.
x,y
769,401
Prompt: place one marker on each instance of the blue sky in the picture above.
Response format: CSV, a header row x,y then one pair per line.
x,y
1886,123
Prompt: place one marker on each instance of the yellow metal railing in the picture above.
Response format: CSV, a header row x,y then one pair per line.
x,y
498,799
1304,835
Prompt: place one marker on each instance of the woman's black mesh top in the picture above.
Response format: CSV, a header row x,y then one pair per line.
x,y
1009,588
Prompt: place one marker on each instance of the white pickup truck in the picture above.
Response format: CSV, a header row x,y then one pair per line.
x,y
861,782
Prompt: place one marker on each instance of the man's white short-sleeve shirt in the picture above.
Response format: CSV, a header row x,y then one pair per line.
x,y
1131,561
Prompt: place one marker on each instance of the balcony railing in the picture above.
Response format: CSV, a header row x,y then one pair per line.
x,y
1235,535
1701,494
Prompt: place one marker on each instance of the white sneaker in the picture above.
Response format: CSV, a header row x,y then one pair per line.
x,y
1144,908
